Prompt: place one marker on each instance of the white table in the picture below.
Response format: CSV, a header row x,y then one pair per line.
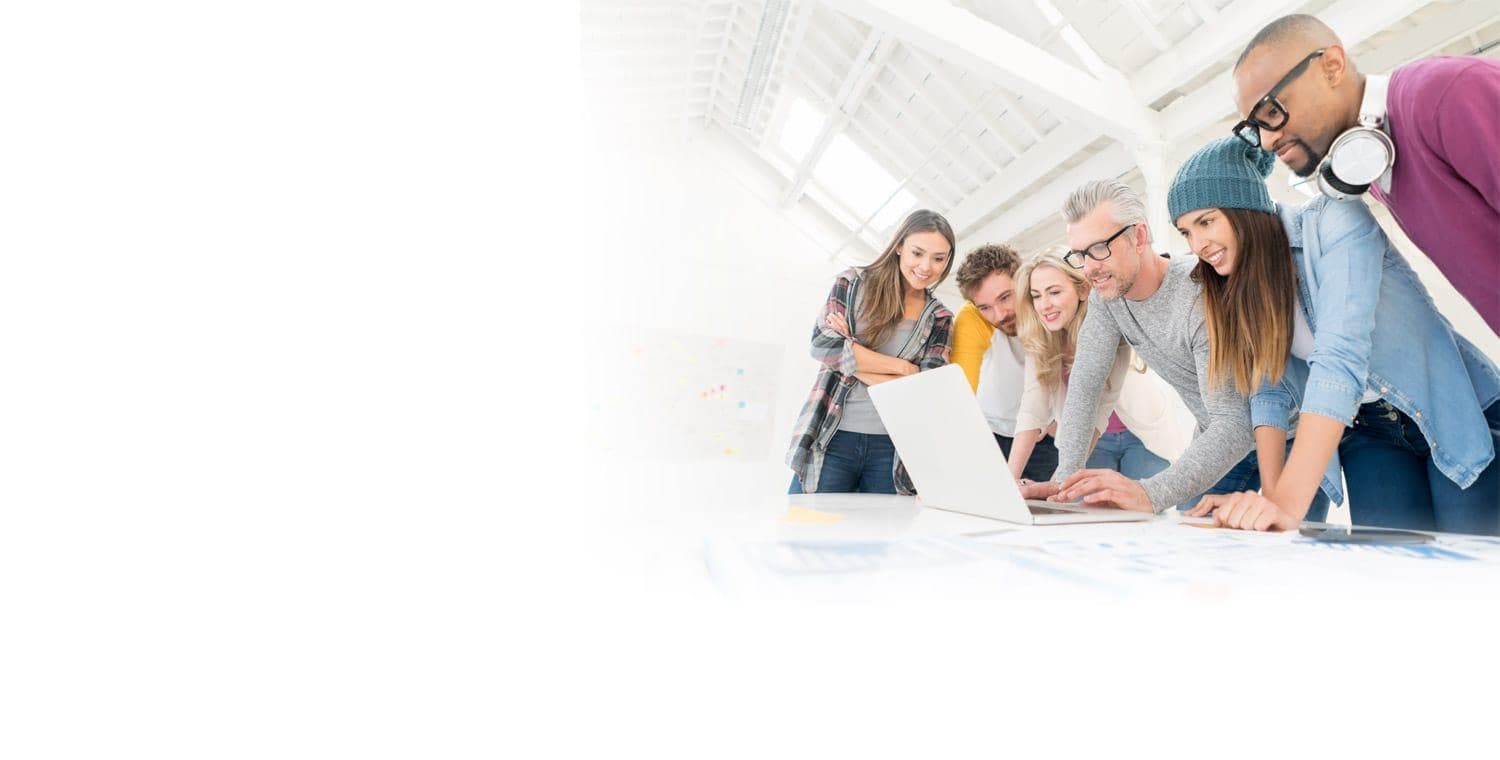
x,y
859,546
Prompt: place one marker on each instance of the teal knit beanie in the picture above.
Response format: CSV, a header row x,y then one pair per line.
x,y
1225,173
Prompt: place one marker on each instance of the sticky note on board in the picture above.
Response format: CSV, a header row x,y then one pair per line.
x,y
805,516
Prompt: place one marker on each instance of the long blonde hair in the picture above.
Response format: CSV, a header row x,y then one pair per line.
x,y
1051,351
882,302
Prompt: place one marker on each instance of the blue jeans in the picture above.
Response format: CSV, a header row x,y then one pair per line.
x,y
1245,476
1124,453
1393,482
1043,461
855,463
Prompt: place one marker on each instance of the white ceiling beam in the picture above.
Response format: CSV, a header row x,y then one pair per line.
x,y
1438,30
1106,73
876,125
800,22
708,113
1199,109
1204,10
802,14
937,148
1050,36
825,44
917,153
1047,200
1151,160
1010,61
1356,21
1208,45
1144,24
899,127
872,56
814,219
962,134
825,75
611,56
881,133
1353,20
1162,75
1013,108
663,117
741,46
1063,27
1031,166
993,130
935,66
616,89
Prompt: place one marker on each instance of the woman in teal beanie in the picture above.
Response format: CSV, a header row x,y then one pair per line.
x,y
1313,314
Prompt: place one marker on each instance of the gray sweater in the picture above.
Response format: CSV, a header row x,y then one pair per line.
x,y
1168,332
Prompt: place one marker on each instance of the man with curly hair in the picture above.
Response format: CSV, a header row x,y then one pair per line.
x,y
986,346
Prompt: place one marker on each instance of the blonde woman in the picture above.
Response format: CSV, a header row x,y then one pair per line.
x,y
1051,303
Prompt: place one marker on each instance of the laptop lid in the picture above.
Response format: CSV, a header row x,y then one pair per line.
x,y
947,447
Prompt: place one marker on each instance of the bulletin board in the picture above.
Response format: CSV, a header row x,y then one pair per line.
x,y
684,396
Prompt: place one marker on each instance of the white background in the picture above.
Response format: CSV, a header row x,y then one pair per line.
x,y
291,308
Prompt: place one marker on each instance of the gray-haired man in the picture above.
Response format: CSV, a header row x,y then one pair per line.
x,y
1152,303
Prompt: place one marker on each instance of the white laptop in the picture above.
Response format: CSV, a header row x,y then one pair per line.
x,y
953,458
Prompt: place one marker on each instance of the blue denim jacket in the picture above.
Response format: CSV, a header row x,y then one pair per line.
x,y
1403,350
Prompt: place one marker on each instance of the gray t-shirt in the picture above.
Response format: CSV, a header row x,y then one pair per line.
x,y
1168,332
859,411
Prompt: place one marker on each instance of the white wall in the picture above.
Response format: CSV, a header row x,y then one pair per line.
x,y
696,244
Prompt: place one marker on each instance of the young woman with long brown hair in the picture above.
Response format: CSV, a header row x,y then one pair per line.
x,y
1313,314
880,322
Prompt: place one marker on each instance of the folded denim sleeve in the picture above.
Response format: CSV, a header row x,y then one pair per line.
x,y
1272,405
1348,269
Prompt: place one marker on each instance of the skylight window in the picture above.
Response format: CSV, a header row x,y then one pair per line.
x,y
848,172
845,170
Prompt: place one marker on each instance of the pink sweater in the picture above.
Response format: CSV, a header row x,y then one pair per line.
x,y
1444,116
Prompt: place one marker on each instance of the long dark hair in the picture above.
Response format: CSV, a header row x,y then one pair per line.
x,y
882,300
1249,313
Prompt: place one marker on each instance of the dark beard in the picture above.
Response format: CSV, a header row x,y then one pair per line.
x,y
1313,159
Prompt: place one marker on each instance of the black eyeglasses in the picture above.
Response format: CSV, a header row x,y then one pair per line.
x,y
1098,251
1268,112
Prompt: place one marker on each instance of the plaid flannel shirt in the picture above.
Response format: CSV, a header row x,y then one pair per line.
x,y
927,348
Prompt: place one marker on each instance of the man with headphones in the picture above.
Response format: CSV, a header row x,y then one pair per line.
x,y
1424,140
